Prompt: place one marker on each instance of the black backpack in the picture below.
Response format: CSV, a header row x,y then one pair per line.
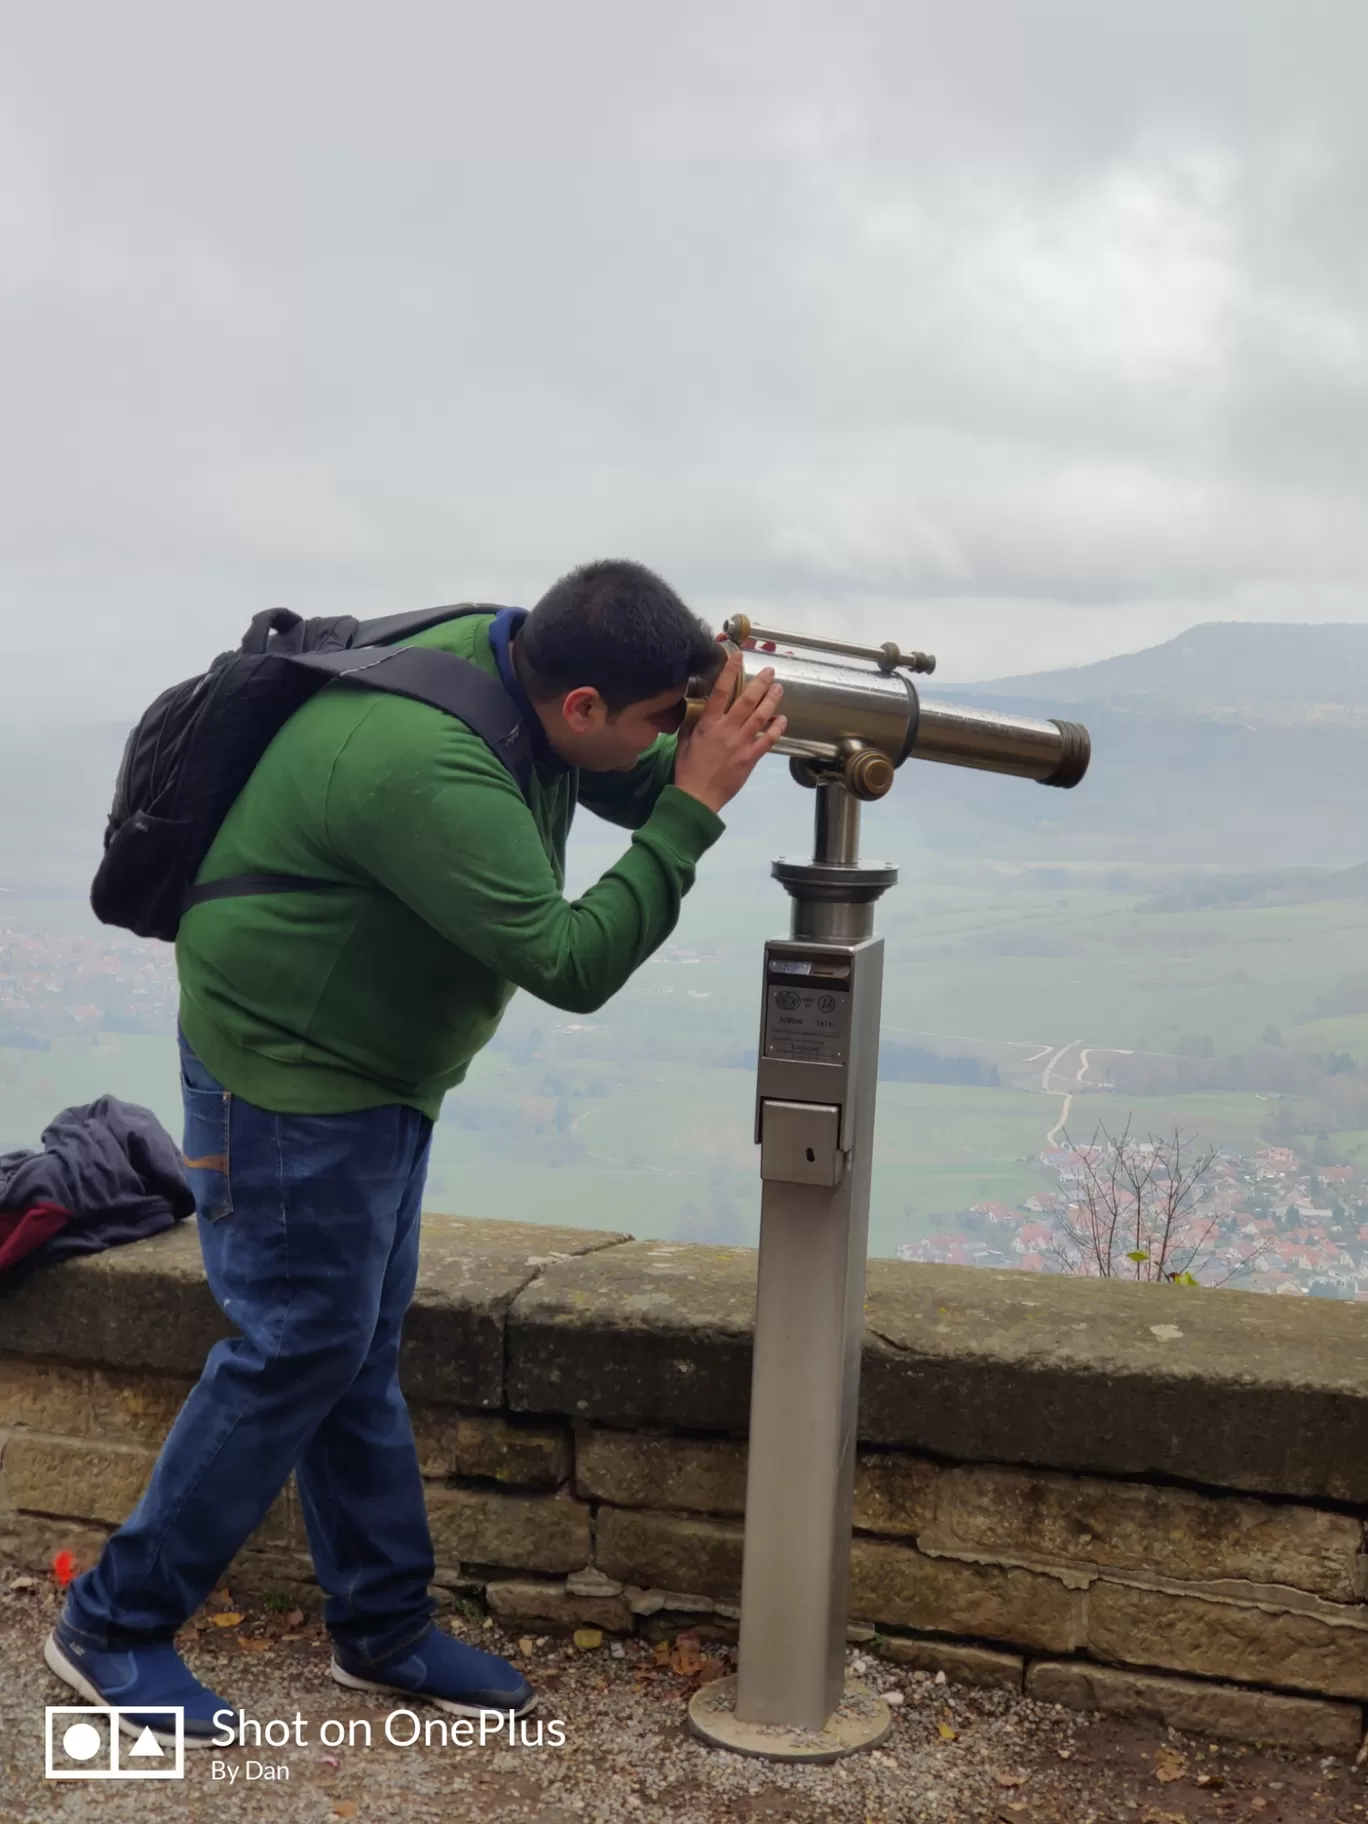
x,y
195,747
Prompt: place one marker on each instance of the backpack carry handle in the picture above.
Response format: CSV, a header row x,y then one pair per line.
x,y
269,621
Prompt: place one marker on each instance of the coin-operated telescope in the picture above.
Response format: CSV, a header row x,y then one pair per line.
x,y
854,714
854,717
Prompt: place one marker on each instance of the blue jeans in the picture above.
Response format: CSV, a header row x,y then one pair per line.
x,y
308,1225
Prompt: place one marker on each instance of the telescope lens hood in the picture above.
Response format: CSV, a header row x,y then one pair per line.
x,y
1075,755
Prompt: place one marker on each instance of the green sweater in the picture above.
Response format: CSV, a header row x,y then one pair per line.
x,y
383,990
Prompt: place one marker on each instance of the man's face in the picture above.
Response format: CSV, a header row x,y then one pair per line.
x,y
584,733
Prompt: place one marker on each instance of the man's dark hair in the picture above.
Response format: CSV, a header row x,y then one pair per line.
x,y
617,627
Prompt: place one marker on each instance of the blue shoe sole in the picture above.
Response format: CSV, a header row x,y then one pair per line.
x,y
70,1674
354,1682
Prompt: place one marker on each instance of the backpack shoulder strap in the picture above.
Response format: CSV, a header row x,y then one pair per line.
x,y
441,679
444,681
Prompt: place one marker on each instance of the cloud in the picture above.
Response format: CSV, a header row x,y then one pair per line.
x,y
1036,330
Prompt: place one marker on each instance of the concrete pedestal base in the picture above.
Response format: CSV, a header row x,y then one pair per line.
x,y
862,1720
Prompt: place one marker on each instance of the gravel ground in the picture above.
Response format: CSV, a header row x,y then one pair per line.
x,y
955,1756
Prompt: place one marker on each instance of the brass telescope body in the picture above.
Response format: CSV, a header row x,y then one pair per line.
x,y
854,713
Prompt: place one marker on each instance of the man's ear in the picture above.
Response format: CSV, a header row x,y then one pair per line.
x,y
582,709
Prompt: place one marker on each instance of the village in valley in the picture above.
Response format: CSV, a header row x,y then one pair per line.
x,y
56,986
1270,1222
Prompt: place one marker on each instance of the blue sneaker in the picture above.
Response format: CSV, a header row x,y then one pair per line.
x,y
451,1675
139,1675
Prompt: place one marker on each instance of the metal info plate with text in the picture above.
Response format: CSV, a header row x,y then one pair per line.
x,y
807,1009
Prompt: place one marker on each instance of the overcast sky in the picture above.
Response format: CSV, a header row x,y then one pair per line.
x,y
1024,330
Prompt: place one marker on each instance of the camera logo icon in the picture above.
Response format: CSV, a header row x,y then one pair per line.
x,y
115,1741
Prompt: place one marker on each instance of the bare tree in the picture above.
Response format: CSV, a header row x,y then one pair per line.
x,y
1134,1211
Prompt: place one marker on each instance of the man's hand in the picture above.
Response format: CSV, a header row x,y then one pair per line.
x,y
715,759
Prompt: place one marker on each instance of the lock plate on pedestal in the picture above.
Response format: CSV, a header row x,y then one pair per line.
x,y
800,1142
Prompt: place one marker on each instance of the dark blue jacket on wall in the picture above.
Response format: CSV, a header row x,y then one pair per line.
x,y
105,1174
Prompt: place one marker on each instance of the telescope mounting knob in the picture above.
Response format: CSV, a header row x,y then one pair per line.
x,y
866,773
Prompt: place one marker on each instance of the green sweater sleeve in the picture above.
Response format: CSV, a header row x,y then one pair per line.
x,y
629,798
439,823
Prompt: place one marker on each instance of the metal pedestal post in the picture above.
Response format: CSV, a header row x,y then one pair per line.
x,y
815,1091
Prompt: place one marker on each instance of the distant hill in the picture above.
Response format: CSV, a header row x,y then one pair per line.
x,y
1163,791
1236,745
1281,672
1282,887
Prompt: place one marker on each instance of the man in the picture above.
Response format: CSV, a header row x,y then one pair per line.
x,y
320,1030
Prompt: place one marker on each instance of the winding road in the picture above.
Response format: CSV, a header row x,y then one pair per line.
x,y
1052,1076
1079,1078
1052,1137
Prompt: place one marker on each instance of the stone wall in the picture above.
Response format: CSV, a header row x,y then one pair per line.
x,y
1120,1497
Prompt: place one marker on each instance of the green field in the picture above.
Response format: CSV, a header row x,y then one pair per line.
x,y
1216,1120
685,1140
665,1154
1110,974
35,1085
1347,1033
1352,1145
973,958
